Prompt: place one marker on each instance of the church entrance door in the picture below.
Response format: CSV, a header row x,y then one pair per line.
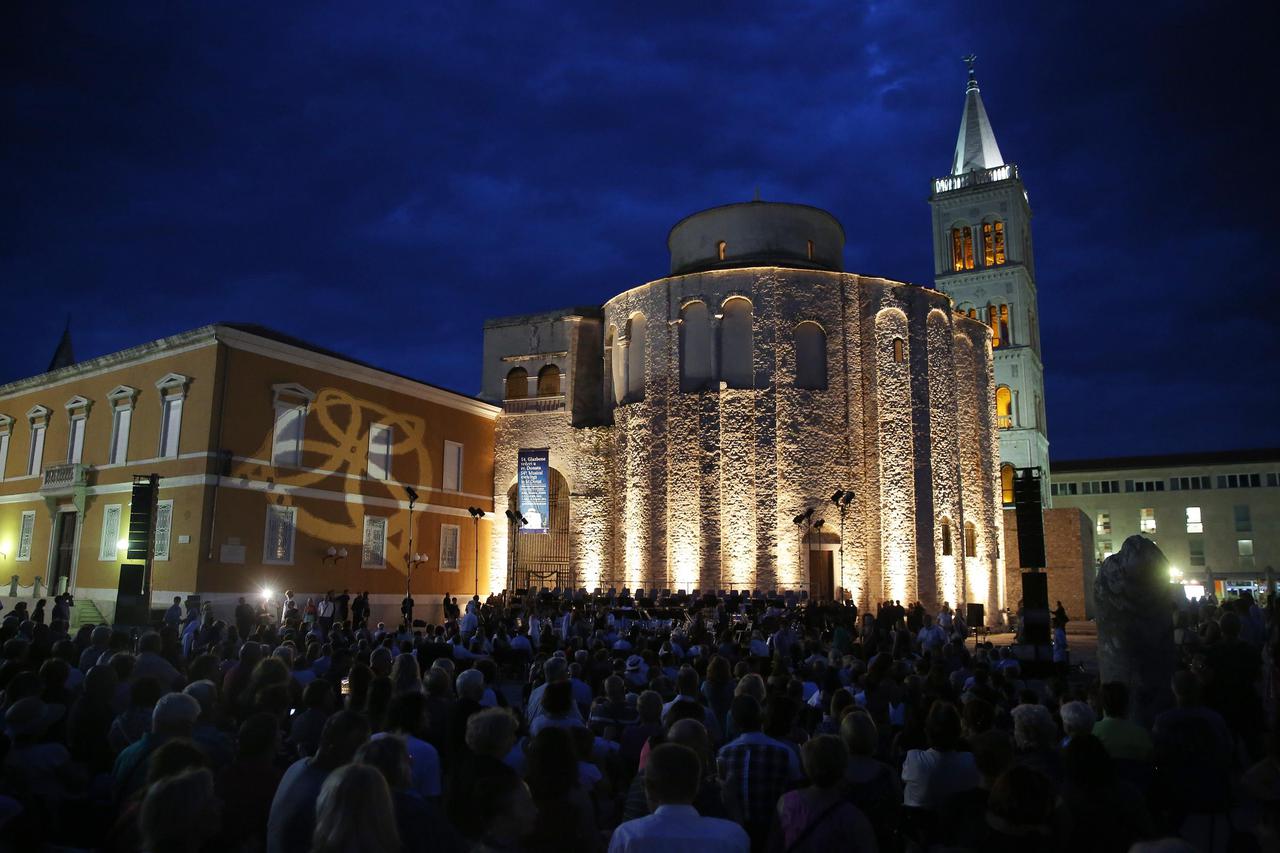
x,y
822,575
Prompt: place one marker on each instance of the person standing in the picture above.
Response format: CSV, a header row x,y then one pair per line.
x,y
341,605
246,618
173,616
406,611
360,610
324,613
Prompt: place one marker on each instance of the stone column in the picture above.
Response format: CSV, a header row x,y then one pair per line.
x,y
1132,601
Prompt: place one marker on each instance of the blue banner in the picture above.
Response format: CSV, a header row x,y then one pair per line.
x,y
533,489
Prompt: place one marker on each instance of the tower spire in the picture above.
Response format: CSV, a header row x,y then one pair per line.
x,y
63,355
976,146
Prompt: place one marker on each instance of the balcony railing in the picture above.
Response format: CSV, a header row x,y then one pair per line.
x,y
975,178
533,405
1004,421
64,477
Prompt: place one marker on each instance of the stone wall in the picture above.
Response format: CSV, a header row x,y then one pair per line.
x,y
1068,549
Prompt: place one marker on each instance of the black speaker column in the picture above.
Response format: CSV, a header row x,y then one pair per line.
x,y
1026,500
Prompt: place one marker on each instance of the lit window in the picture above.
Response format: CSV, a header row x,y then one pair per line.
x,y
946,537
379,465
1147,520
722,248
1244,522
1003,327
1104,523
1004,407
1006,484
810,249
452,480
970,540
962,248
999,250
1194,523
988,246
1244,547
899,351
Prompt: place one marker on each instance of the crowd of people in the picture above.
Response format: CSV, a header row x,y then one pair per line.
x,y
553,723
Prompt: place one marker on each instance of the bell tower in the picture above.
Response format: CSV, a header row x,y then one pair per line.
x,y
983,261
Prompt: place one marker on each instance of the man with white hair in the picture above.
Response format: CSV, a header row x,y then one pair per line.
x,y
99,642
555,669
174,716
1077,719
205,733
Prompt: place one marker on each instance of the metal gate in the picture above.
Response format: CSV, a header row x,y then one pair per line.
x,y
543,559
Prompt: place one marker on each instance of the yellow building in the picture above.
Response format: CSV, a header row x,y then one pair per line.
x,y
276,458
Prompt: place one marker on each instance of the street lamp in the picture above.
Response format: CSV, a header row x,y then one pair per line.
x,y
334,555
841,500
476,514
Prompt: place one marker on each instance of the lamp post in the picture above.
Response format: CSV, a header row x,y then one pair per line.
x,y
408,557
518,521
841,500
476,514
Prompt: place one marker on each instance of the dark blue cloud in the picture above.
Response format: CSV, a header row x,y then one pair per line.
x,y
381,179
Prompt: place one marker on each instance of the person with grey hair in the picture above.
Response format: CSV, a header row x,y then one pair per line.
x,y
99,644
490,736
554,670
174,716
1035,737
1077,719
206,733
470,687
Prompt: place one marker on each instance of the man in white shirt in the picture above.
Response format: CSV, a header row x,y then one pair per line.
x,y
470,621
554,670
671,777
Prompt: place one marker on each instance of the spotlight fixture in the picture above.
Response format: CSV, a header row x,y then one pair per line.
x,y
799,519
413,495
476,512
817,525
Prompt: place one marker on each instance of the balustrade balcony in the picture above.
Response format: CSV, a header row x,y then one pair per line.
x,y
64,478
534,405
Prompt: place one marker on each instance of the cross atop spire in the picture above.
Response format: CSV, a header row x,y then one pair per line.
x,y
976,146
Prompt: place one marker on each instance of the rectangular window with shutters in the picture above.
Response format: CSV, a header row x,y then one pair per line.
x,y
35,455
379,452
452,467
1104,523
4,454
277,545
450,534
170,427
164,524
1244,520
1196,544
1244,547
75,441
120,421
373,555
110,532
1147,520
286,444
1194,523
26,532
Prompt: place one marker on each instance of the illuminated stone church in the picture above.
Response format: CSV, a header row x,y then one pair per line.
x,y
700,424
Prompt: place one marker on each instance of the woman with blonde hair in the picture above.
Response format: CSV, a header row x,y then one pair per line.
x,y
749,685
405,675
354,813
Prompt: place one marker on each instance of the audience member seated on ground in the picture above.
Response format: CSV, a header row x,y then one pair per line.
x,y
420,822
930,776
820,817
755,770
248,785
1123,739
871,785
407,718
709,803
181,813
962,820
671,785
491,734
174,716
1193,760
1104,813
354,812
566,816
1035,737
293,810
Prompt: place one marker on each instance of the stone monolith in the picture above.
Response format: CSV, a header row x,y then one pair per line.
x,y
1132,600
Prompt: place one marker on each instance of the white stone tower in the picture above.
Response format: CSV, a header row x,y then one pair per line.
x,y
983,261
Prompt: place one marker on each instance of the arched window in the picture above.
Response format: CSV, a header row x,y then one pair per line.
x,y
517,384
695,347
970,539
1004,407
811,356
993,254
899,350
999,241
613,383
549,381
973,313
635,358
737,369
1006,484
944,530
962,248
721,249
998,320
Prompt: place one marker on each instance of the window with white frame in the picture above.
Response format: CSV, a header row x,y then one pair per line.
x,y
173,390
1195,524
373,555
1244,547
26,532
35,454
1104,523
4,451
107,547
286,445
164,526
450,535
379,452
452,479
122,398
170,427
75,439
277,545
1147,520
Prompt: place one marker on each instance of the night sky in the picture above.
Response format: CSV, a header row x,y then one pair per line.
x,y
379,178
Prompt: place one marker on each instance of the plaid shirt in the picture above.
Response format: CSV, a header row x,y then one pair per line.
x,y
756,770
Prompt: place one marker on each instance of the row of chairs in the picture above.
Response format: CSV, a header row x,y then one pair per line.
x,y
639,594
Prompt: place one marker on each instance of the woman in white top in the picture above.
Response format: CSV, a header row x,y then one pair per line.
x,y
930,776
